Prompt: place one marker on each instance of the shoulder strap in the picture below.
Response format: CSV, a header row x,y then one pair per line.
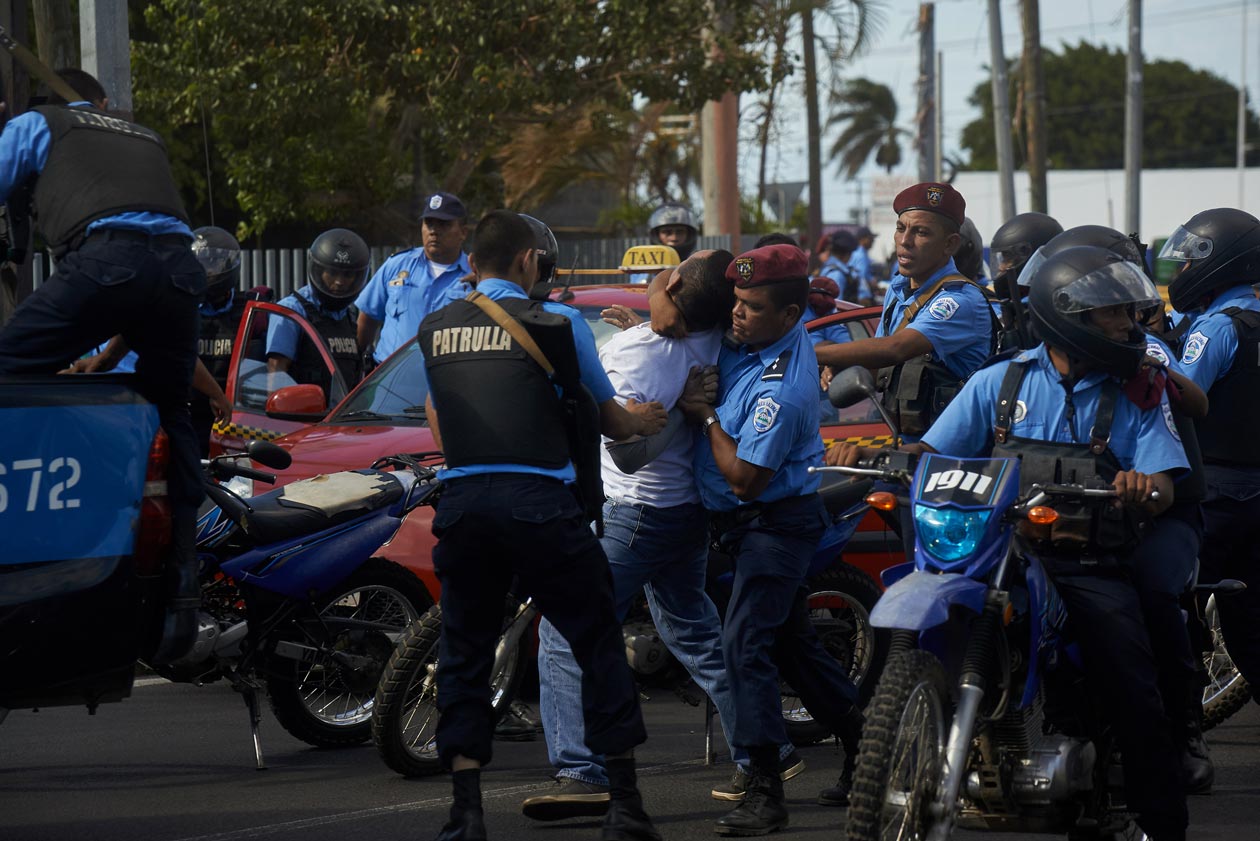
x,y
912,309
1007,395
511,325
1100,435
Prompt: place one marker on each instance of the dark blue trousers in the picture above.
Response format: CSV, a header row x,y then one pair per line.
x,y
1231,549
493,528
146,289
767,633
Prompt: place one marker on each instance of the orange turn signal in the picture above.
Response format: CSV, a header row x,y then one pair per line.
x,y
882,501
1042,515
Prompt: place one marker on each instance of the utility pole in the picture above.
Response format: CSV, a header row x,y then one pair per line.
x,y
1133,123
1242,112
812,130
719,154
926,122
938,166
1034,106
1001,112
106,47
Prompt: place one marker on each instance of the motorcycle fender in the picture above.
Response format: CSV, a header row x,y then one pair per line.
x,y
922,600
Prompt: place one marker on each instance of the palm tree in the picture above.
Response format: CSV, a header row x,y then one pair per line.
x,y
868,112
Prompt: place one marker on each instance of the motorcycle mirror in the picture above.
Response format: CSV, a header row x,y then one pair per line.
x,y
269,455
850,386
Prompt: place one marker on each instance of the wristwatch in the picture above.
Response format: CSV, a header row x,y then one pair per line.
x,y
711,420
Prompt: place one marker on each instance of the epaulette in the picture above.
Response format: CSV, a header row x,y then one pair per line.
x,y
775,370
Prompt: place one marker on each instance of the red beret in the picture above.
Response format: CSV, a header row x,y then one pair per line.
x,y
768,264
824,286
932,197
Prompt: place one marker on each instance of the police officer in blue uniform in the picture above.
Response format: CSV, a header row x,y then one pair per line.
x,y
1010,249
221,311
840,267
109,209
752,473
411,284
337,268
937,326
507,510
1069,418
1219,253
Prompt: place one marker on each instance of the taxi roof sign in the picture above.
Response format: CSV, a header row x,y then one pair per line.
x,y
649,258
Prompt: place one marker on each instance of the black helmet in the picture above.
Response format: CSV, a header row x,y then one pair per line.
x,y
546,246
673,213
339,252
969,258
1098,236
219,254
1071,283
1220,248
1017,239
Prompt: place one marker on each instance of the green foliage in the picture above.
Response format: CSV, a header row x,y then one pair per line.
x,y
1189,116
868,112
346,109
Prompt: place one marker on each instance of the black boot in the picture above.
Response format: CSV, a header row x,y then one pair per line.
x,y
850,736
763,810
467,822
626,819
1196,762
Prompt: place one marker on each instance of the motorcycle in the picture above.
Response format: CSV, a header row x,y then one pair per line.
x,y
292,599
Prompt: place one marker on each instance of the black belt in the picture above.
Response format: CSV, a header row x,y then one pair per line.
x,y
127,234
723,521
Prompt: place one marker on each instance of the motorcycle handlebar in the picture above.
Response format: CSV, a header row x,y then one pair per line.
x,y
251,473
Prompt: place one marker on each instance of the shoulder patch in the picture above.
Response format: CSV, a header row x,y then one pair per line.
x,y
1196,342
1155,349
1021,411
776,369
764,414
943,308
1169,421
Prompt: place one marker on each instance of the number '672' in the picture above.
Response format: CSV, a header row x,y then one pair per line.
x,y
59,476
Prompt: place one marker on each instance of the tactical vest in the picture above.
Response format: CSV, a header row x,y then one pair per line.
x,y
99,165
916,391
340,336
1228,435
218,335
497,405
1192,487
1080,529
850,289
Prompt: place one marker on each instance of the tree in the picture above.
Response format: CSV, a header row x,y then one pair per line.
x,y
868,112
1189,116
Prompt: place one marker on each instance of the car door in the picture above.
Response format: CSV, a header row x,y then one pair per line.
x,y
268,402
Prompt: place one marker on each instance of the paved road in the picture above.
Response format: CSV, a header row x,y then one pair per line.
x,y
174,763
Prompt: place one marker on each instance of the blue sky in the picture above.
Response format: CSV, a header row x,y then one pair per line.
x,y
1206,34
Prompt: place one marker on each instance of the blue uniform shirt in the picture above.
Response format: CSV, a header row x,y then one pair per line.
x,y
860,261
956,322
403,292
283,333
593,377
767,402
1145,441
24,149
1209,347
840,272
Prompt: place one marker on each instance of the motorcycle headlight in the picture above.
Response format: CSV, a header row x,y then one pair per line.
x,y
947,533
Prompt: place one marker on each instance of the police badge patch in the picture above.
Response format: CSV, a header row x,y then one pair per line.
x,y
1195,345
1169,421
744,267
435,202
943,308
764,414
934,196
1156,350
1021,411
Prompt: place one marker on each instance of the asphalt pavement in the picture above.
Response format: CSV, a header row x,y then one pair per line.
x,y
175,763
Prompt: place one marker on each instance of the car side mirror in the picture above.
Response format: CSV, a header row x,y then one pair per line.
x,y
268,454
851,386
297,402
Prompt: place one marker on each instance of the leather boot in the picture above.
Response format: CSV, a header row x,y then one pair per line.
x,y
626,820
467,822
763,810
1196,762
850,736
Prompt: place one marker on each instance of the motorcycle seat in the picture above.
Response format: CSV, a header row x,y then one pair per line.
x,y
840,492
315,504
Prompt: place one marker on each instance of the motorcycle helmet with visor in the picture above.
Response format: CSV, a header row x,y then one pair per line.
x,y
1217,249
219,254
337,267
1018,238
545,246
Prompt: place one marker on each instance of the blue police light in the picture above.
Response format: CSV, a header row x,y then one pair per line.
x,y
950,534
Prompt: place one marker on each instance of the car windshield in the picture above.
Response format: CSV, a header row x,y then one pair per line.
x,y
394,393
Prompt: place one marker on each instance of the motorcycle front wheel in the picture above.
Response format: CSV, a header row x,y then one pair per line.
x,y
1227,691
405,716
902,751
326,703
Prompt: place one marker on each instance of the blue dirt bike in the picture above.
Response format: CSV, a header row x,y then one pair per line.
x,y
293,599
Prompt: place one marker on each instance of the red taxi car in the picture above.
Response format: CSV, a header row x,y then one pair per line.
x,y
385,415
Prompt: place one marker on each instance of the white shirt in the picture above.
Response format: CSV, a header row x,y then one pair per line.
x,y
646,367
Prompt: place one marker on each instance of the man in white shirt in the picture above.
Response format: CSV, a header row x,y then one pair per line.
x,y
656,539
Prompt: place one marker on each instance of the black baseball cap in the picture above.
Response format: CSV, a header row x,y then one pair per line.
x,y
443,206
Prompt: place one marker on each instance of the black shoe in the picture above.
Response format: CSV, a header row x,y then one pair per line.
x,y
517,724
570,799
838,795
468,825
627,821
789,767
762,812
1196,764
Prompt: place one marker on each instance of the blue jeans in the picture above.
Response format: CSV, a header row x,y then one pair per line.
x,y
664,552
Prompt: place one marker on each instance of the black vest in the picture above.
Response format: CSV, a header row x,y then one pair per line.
x,y
218,336
850,288
496,404
1227,434
1081,529
340,337
99,165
